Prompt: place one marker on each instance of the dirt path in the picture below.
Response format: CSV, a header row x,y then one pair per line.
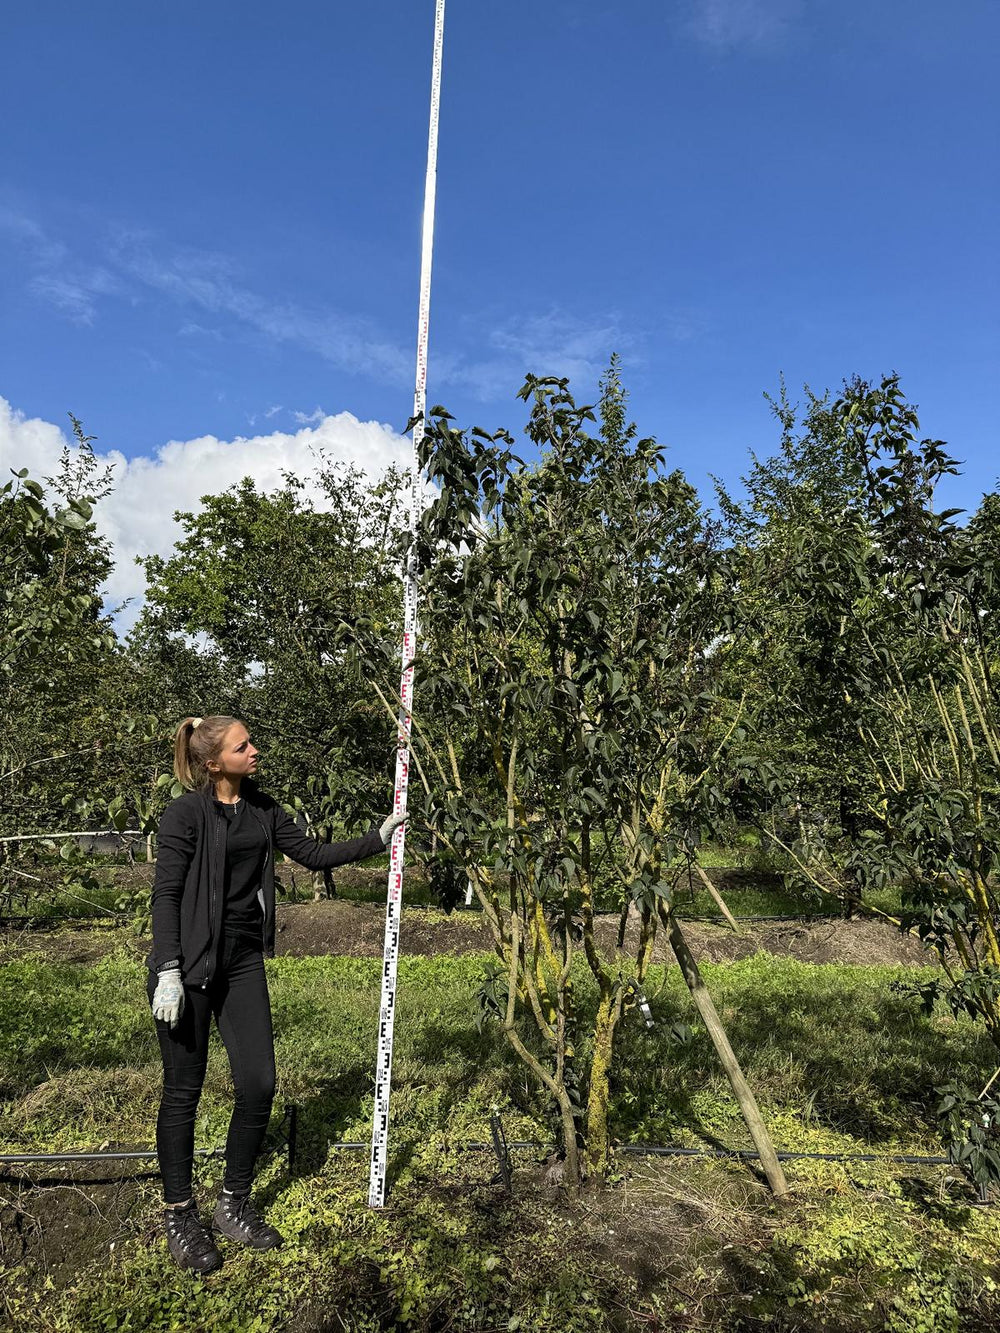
x,y
356,929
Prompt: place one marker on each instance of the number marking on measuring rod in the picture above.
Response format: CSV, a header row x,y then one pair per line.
x,y
394,895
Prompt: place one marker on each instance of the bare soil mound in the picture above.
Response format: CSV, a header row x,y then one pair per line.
x,y
356,929
52,1224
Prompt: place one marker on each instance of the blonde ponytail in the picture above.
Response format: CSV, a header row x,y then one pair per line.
x,y
196,740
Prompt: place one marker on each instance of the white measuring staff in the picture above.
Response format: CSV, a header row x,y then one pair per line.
x,y
394,898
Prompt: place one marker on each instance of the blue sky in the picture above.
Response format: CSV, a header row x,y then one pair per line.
x,y
210,214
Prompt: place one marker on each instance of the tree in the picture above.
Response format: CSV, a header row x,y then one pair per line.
x,y
54,638
270,584
890,619
563,718
808,548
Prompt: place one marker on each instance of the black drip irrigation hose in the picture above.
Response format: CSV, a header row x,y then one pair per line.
x,y
805,919
744,1154
632,1149
290,1117
501,1147
23,922
751,1154
16,1158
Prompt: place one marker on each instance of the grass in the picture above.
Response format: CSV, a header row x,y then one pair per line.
x,y
103,888
840,1062
838,1054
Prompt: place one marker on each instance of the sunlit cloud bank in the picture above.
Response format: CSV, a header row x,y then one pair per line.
x,y
138,516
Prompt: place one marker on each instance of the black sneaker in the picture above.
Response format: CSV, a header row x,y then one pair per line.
x,y
237,1219
189,1240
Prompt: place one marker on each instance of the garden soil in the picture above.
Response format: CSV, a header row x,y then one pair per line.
x,y
54,1224
355,929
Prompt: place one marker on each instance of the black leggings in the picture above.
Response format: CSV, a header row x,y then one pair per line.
x,y
237,996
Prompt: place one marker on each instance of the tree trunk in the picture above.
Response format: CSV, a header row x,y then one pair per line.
x,y
571,1177
596,1152
713,1023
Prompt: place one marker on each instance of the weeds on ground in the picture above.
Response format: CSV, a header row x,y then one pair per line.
x,y
838,1060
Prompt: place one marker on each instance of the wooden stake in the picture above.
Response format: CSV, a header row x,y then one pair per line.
x,y
713,1023
717,897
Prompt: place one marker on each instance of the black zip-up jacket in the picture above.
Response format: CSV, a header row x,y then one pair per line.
x,y
190,866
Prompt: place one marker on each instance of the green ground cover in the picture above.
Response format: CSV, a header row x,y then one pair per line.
x,y
840,1061
111,889
835,1049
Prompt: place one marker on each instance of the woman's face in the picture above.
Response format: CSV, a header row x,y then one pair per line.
x,y
237,757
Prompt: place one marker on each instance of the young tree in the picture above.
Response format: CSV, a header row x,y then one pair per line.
x,y
54,640
563,719
875,628
270,584
933,764
807,548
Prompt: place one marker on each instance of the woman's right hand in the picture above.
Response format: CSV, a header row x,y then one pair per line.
x,y
168,998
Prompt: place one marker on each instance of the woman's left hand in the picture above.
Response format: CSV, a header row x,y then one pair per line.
x,y
390,826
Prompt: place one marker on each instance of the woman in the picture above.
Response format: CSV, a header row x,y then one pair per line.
x,y
213,924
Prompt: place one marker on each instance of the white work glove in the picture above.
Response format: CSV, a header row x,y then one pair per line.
x,y
390,826
168,998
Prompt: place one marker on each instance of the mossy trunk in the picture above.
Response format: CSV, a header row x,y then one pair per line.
x,y
596,1150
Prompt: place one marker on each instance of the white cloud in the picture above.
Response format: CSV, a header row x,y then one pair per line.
x,y
727,24
216,303
211,283
192,329
137,516
555,343
201,282
26,233
556,334
62,281
73,291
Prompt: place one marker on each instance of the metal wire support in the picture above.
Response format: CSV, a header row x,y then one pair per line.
x,y
506,1173
292,1112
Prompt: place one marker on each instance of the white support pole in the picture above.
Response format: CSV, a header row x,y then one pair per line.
x,y
394,897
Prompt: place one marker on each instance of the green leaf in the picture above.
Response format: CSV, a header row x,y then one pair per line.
x,y
68,519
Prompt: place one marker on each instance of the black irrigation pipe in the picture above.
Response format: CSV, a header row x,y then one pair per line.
x,y
18,921
746,1154
500,1147
632,1149
291,1117
751,1154
805,917
16,1158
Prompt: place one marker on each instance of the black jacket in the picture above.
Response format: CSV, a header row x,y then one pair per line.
x,y
190,866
